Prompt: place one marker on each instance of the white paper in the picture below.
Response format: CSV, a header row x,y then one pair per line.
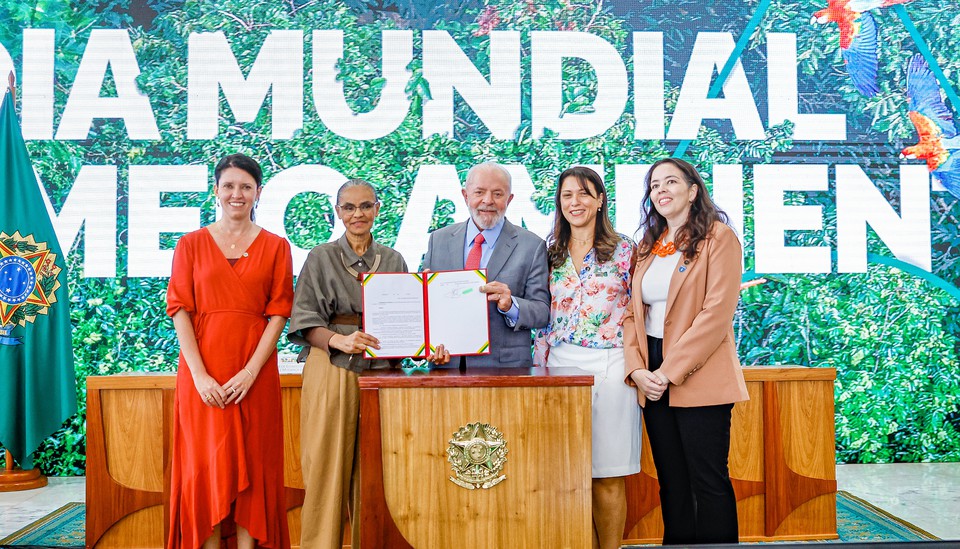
x,y
287,363
458,312
393,313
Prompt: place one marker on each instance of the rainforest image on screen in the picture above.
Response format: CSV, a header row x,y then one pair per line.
x,y
826,129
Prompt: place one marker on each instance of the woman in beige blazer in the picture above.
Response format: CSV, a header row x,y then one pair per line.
x,y
680,353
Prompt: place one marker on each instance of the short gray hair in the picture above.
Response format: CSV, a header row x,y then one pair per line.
x,y
489,166
356,182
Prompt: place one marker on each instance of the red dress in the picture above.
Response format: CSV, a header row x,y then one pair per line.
x,y
230,458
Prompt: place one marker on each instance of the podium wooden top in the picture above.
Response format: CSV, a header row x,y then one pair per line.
x,y
475,377
452,377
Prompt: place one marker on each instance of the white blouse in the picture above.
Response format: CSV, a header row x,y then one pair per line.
x,y
654,289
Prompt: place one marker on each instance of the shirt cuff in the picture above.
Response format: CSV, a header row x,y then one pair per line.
x,y
512,315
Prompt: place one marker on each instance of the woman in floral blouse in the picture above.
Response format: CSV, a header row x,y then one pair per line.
x,y
589,289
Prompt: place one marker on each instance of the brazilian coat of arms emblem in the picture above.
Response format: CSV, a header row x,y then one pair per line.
x,y
477,454
29,279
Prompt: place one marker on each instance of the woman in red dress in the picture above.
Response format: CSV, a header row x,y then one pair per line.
x,y
230,294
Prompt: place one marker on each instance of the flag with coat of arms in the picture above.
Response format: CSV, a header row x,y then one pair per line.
x,y
37,380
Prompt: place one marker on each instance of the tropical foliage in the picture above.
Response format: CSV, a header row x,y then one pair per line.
x,y
893,337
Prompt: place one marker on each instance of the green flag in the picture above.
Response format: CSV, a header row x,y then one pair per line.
x,y
37,381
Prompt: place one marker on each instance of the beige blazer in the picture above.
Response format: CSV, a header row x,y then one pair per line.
x,y
699,354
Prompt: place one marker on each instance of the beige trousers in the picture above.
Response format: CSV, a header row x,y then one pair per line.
x,y
329,414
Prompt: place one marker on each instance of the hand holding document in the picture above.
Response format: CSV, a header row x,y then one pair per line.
x,y
408,311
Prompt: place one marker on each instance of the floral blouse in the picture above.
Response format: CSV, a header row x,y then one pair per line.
x,y
587,308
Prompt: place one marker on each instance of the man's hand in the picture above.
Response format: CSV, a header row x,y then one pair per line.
x,y
439,356
500,293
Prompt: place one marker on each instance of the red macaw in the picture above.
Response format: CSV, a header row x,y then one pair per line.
x,y
939,145
858,42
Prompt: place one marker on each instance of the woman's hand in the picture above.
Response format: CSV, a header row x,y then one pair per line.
x,y
440,356
211,393
239,385
357,342
650,383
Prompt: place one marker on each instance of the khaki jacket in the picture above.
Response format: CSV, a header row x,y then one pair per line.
x,y
699,354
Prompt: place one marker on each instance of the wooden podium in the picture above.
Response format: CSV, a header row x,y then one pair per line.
x,y
419,431
781,457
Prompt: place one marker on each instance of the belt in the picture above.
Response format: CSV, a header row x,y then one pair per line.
x,y
346,320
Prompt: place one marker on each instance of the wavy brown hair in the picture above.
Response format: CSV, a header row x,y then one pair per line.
x,y
703,214
605,237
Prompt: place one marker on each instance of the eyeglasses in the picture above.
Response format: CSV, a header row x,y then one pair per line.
x,y
364,207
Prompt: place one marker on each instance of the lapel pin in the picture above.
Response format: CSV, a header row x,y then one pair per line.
x,y
683,269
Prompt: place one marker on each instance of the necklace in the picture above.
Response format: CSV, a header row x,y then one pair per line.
x,y
239,238
663,250
353,272
581,240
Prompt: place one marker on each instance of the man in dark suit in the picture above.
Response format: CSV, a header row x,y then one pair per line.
x,y
516,263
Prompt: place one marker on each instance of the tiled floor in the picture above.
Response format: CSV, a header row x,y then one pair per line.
x,y
18,509
924,494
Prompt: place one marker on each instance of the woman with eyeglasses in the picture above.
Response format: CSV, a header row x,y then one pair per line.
x,y
230,293
325,321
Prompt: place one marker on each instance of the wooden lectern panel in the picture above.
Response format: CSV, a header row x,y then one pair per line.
x,y
133,420
746,462
129,434
806,417
545,499
143,528
802,463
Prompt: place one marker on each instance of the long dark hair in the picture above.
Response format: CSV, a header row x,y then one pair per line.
x,y
703,214
605,238
241,162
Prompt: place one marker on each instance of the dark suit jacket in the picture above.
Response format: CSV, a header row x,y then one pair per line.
x,y
519,260
699,353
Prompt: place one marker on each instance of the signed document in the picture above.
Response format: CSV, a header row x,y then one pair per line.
x,y
412,313
457,312
393,313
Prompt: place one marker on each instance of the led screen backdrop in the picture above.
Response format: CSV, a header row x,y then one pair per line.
x,y
826,132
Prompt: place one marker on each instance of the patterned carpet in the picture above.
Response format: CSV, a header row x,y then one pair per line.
x,y
61,528
857,521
